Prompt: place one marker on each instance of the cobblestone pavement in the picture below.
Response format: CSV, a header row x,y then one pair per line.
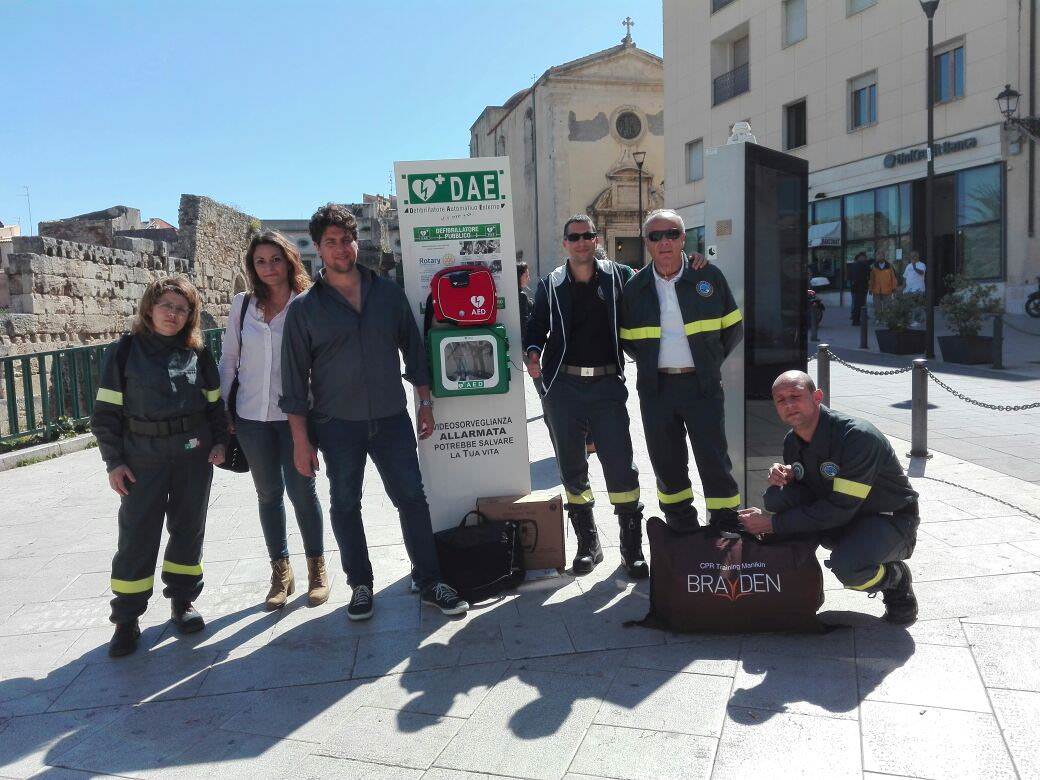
x,y
546,682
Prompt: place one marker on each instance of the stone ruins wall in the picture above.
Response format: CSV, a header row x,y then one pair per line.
x,y
68,293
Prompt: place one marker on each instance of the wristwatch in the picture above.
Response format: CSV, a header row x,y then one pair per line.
x,y
426,403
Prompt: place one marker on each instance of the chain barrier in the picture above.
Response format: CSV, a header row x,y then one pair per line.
x,y
980,493
934,378
847,364
1020,330
963,397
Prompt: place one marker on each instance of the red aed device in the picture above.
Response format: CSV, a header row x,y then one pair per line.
x,y
464,296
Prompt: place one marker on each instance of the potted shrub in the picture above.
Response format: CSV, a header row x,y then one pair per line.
x,y
896,336
964,308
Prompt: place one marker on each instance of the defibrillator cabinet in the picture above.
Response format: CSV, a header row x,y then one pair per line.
x,y
468,361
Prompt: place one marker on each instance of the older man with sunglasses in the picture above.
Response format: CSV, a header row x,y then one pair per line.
x,y
679,323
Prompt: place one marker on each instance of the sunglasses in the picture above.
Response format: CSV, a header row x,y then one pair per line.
x,y
588,235
656,235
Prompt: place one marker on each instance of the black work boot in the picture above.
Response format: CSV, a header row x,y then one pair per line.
x,y
683,522
124,640
186,617
632,546
900,601
726,523
589,551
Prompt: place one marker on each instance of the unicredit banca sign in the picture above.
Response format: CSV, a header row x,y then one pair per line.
x,y
917,155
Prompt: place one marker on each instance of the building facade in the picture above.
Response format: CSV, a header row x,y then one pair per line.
x,y
843,84
570,138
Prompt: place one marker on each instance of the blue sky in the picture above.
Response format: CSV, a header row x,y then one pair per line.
x,y
274,106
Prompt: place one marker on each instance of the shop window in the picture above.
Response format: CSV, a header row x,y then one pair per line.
x,y
980,197
794,21
859,215
949,75
862,101
826,211
694,240
695,160
794,125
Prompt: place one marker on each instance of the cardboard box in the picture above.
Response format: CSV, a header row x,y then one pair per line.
x,y
540,515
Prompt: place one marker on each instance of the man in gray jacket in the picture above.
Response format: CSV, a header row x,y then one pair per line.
x,y
341,347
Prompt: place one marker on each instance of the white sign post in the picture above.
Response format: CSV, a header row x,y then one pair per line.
x,y
457,212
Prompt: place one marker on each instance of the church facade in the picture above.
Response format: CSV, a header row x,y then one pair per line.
x,y
570,138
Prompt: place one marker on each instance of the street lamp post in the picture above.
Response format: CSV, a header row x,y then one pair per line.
x,y
640,158
930,278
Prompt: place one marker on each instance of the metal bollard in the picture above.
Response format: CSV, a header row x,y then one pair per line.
x,y
919,410
998,341
823,372
864,324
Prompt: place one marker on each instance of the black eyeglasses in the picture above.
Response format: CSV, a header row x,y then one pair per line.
x,y
588,235
656,235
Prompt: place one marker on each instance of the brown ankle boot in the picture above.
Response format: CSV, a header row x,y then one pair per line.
x,y
317,581
283,584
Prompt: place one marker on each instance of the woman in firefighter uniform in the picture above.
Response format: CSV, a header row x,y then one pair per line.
x,y
160,426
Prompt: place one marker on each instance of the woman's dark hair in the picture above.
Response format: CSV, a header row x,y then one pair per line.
x,y
331,214
298,278
521,269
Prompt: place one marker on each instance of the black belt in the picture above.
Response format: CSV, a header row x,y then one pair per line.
x,y
588,370
683,370
166,427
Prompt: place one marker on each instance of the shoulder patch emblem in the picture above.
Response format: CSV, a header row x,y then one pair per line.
x,y
799,470
829,469
705,289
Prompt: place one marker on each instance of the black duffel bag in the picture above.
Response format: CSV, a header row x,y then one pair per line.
x,y
483,559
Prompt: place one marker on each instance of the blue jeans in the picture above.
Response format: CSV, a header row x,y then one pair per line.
x,y
269,449
390,441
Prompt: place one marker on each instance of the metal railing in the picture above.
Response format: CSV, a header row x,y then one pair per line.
x,y
731,84
40,389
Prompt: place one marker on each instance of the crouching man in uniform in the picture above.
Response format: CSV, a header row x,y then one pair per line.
x,y
841,479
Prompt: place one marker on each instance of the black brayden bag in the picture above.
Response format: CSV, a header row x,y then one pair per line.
x,y
234,456
481,560
703,582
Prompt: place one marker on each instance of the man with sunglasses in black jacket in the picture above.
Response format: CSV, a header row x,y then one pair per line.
x,y
679,323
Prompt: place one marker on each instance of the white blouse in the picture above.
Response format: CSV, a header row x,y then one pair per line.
x,y
260,375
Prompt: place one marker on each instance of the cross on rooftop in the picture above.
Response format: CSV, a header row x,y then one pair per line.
x,y
628,23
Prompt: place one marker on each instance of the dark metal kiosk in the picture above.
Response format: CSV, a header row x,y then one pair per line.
x,y
756,222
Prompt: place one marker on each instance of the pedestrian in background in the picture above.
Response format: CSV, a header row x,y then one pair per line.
x,y
858,276
883,281
160,427
252,351
523,279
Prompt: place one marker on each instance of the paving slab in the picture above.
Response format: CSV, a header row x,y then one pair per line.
x,y
1018,713
929,742
1006,655
27,744
324,767
652,700
636,754
408,739
764,744
536,722
786,683
933,676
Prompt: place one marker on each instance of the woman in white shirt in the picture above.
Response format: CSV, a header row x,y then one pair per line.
x,y
276,276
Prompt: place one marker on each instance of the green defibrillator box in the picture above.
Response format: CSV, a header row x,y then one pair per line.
x,y
468,361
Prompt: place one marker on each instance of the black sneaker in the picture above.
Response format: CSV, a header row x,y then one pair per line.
x,y
445,598
124,640
186,617
360,607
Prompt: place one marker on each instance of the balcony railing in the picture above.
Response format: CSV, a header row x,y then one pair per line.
x,y
729,85
717,4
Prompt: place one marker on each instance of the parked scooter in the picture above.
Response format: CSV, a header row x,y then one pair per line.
x,y
1033,301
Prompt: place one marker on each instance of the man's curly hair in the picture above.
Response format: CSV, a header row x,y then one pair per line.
x,y
331,214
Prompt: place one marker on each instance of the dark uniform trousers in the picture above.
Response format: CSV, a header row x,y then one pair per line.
x,y
679,409
596,405
173,483
860,548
